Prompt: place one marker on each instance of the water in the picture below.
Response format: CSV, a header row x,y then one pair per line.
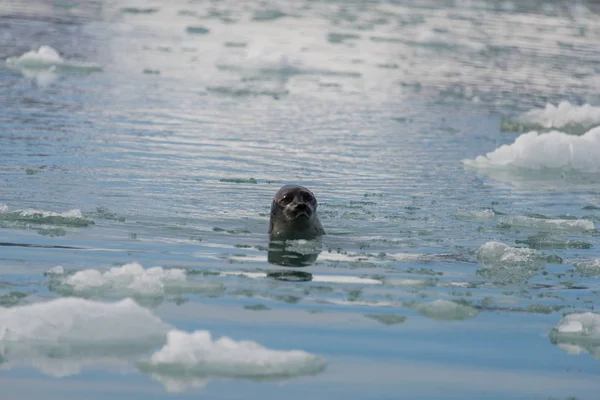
x,y
141,144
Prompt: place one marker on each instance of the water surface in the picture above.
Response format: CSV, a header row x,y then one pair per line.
x,y
141,145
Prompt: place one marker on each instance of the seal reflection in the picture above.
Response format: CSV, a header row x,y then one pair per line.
x,y
291,254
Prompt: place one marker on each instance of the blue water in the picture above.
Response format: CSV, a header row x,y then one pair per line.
x,y
168,127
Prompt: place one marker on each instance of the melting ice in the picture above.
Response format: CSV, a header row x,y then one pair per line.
x,y
127,280
551,151
195,355
63,336
48,58
562,115
578,332
72,217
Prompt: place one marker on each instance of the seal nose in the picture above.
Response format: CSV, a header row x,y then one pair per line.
x,y
301,207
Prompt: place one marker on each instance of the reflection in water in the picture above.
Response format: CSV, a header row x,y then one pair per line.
x,y
577,333
291,276
294,253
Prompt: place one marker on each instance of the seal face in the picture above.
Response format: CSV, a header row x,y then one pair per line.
x,y
294,214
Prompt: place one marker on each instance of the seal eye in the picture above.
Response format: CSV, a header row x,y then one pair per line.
x,y
307,197
286,200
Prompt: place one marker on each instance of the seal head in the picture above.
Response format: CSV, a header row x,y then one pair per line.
x,y
294,214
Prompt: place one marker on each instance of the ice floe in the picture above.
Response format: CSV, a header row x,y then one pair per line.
x,y
127,280
546,151
478,214
588,267
562,115
578,332
48,59
19,218
197,355
545,240
497,254
548,224
506,264
63,336
445,310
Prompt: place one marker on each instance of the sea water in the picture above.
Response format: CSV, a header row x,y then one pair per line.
x,y
453,147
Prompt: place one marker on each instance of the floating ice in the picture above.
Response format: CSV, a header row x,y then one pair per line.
x,y
445,310
588,324
497,254
545,240
19,218
196,355
424,258
410,282
505,264
268,59
58,270
47,58
479,214
546,151
589,267
578,332
562,115
549,224
61,336
128,280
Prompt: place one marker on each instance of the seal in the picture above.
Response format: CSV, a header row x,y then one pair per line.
x,y
294,214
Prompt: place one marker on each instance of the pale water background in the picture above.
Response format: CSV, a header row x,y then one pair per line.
x,y
141,143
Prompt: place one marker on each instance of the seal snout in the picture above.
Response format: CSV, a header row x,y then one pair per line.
x,y
301,211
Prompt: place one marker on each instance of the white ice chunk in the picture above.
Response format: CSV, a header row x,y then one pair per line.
x,y
58,270
582,324
564,114
48,58
500,254
476,214
554,150
571,327
196,355
72,217
578,332
130,280
62,336
549,224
